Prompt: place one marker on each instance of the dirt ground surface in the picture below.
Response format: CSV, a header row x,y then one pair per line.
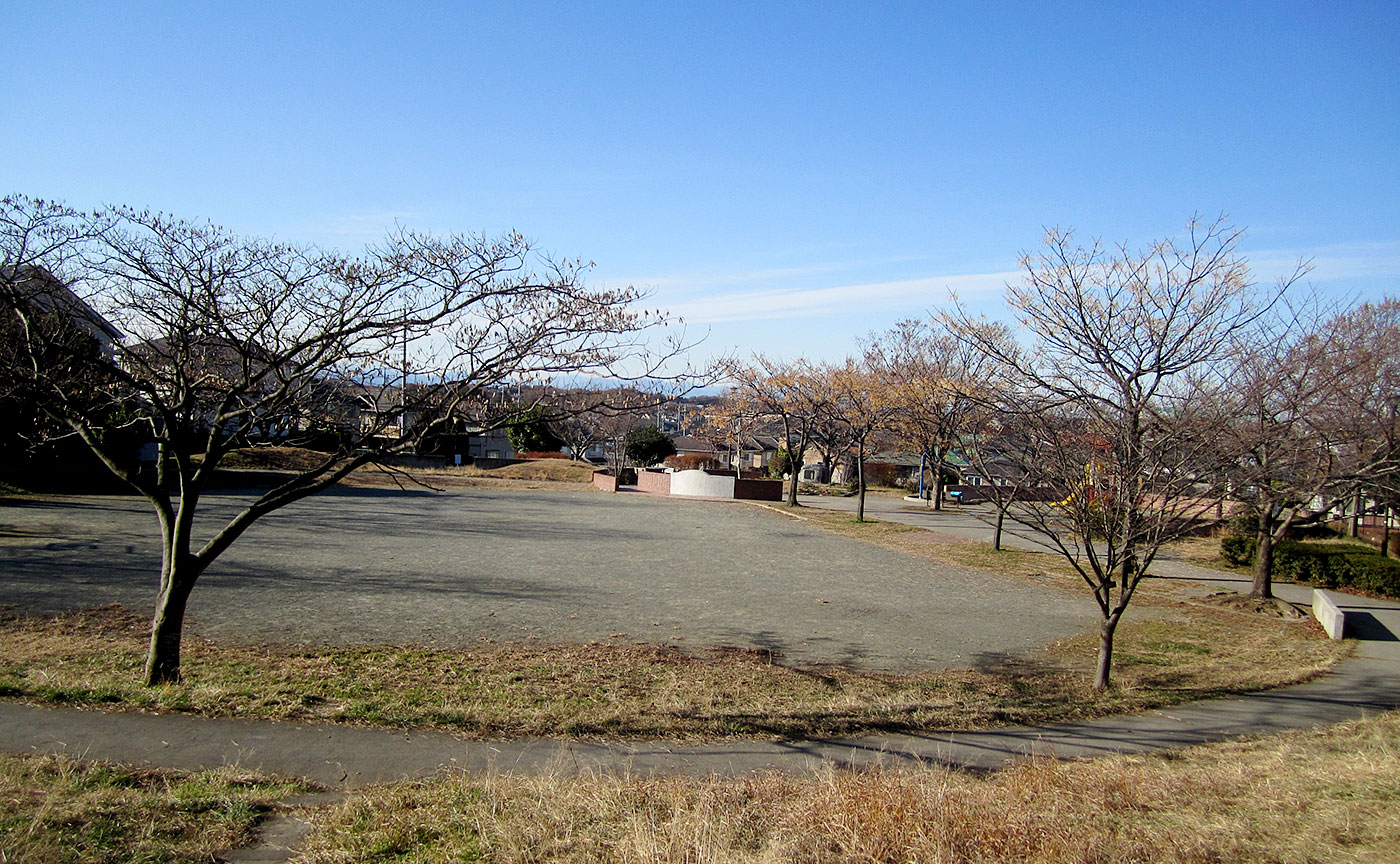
x,y
448,568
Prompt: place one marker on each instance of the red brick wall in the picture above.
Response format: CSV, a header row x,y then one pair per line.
x,y
658,482
604,481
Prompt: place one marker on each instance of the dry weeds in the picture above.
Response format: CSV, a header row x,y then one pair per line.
x,y
1319,796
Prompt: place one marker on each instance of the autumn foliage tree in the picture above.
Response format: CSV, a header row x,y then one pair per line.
x,y
860,403
788,396
936,382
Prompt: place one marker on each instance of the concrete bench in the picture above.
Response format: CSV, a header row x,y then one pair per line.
x,y
1328,614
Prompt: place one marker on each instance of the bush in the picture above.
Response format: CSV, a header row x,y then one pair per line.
x,y
1326,565
1238,550
1372,573
692,461
542,454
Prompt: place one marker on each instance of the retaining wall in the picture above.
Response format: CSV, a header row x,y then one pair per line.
x,y
759,490
1325,610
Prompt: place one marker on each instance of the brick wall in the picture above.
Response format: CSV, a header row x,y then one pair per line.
x,y
656,482
604,481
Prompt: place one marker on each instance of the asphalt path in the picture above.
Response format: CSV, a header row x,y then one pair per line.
x,y
449,568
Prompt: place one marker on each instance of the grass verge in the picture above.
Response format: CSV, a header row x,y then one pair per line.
x,y
55,809
1326,795
615,689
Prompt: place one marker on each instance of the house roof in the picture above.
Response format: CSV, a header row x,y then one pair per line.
x,y
689,444
49,293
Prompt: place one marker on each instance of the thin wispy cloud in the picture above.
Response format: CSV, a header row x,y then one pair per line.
x,y
767,304
1336,261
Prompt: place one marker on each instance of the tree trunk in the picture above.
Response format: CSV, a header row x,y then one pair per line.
x,y
167,628
996,534
1385,532
1102,672
1356,515
860,483
938,484
795,467
1263,560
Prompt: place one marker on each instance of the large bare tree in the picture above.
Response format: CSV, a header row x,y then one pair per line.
x,y
1312,394
232,339
1111,393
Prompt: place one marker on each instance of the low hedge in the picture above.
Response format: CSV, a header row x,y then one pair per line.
x,y
1326,565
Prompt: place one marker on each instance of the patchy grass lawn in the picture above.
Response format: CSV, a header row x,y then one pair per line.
x,y
616,689
56,809
1326,795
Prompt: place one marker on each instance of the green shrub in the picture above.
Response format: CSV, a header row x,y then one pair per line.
x,y
1236,549
1369,572
1326,565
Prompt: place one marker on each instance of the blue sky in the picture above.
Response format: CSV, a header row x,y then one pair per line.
x,y
788,176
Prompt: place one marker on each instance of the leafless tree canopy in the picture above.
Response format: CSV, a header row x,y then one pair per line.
x,y
230,339
1115,397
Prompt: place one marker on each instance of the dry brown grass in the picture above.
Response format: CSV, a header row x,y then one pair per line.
x,y
1329,795
55,809
521,475
616,689
1045,568
1203,552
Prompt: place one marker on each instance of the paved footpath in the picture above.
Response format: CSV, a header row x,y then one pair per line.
x,y
346,757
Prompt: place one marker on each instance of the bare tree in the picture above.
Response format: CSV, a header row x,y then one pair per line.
x,y
1112,394
585,418
1313,395
231,337
1276,386
1359,415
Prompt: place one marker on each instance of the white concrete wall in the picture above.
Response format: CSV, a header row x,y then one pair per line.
x,y
698,483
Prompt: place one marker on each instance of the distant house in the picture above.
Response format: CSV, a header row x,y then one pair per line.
x,y
488,444
698,450
881,468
